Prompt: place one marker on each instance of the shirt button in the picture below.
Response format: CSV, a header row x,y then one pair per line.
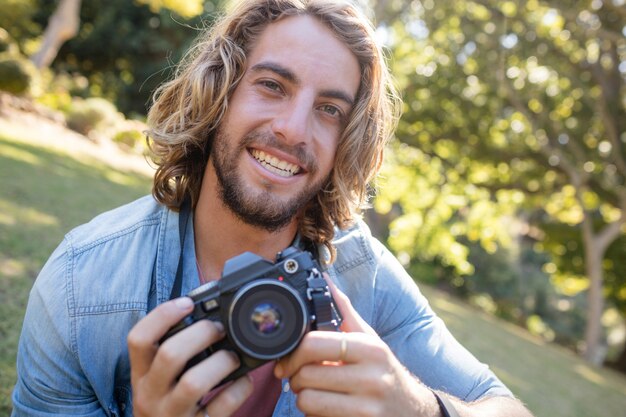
x,y
286,387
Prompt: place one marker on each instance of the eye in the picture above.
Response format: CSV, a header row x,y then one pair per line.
x,y
331,110
270,85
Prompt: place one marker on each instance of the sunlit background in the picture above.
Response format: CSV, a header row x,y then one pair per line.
x,y
504,185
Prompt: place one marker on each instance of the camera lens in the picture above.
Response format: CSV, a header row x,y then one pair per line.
x,y
267,319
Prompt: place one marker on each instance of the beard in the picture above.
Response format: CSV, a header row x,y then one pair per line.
x,y
260,208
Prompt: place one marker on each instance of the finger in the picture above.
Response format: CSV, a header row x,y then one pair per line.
x,y
203,377
352,321
332,404
230,399
342,379
142,339
175,352
317,347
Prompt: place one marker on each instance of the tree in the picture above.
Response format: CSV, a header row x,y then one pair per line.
x,y
125,49
528,97
64,24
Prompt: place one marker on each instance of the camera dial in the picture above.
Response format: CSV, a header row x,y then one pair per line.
x,y
291,266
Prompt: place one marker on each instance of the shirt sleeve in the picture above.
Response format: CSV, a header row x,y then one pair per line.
x,y
50,380
420,339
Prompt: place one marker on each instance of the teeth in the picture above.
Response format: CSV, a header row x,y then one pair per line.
x,y
275,165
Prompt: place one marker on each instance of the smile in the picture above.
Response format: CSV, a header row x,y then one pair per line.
x,y
275,165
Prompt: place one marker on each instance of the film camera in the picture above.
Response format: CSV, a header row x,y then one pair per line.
x,y
266,308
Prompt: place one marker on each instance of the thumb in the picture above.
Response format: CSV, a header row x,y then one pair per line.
x,y
352,321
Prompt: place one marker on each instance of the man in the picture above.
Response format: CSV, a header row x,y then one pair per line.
x,y
272,129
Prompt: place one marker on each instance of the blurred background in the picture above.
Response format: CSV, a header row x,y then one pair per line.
x,y
503,191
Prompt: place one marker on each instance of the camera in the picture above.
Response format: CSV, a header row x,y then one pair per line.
x,y
266,308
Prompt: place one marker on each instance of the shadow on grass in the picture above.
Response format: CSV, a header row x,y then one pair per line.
x,y
44,194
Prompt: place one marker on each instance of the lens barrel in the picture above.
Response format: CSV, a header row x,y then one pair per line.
x,y
267,319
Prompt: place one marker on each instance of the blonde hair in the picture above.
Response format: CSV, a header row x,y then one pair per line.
x,y
187,110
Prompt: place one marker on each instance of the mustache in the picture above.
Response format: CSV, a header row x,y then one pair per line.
x,y
305,159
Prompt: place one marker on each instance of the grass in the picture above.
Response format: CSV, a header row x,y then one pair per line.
x,y
45,192
549,379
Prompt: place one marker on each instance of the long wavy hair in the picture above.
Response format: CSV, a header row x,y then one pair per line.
x,y
187,110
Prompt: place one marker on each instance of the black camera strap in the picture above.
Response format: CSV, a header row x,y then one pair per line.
x,y
445,405
183,219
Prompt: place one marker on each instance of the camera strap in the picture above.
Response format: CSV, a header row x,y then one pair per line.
x,y
445,405
183,219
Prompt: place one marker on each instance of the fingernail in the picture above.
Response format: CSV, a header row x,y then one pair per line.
x,y
183,303
235,357
219,326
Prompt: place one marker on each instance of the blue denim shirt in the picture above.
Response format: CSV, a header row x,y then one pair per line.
x,y
106,275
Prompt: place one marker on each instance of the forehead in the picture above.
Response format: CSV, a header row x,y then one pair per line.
x,y
310,49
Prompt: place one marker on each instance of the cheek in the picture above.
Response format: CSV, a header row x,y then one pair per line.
x,y
326,156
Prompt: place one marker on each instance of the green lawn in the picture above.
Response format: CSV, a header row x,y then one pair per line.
x,y
44,193
552,381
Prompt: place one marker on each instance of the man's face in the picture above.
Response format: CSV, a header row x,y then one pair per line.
x,y
276,145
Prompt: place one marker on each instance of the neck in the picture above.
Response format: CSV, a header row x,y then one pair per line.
x,y
221,235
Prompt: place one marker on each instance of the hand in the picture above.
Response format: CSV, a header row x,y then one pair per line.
x,y
155,369
352,373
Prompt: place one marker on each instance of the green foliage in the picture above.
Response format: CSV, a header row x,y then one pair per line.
x,y
90,114
141,46
522,104
185,8
7,44
61,101
438,208
16,75
128,138
60,90
17,18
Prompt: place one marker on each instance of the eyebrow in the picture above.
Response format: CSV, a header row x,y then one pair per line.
x,y
293,78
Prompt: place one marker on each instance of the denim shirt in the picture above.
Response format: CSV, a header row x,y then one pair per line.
x,y
109,273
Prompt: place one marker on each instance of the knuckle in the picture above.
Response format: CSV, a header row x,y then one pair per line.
x,y
379,352
141,407
230,358
190,387
231,399
304,399
135,340
379,382
307,373
168,354
308,342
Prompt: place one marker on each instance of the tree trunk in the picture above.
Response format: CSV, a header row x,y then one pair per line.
x,y
62,26
596,244
594,351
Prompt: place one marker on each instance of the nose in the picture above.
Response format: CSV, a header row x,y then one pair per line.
x,y
293,123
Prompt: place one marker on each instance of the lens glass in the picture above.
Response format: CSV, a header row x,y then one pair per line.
x,y
266,318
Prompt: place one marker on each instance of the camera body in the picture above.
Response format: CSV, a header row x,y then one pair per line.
x,y
266,308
